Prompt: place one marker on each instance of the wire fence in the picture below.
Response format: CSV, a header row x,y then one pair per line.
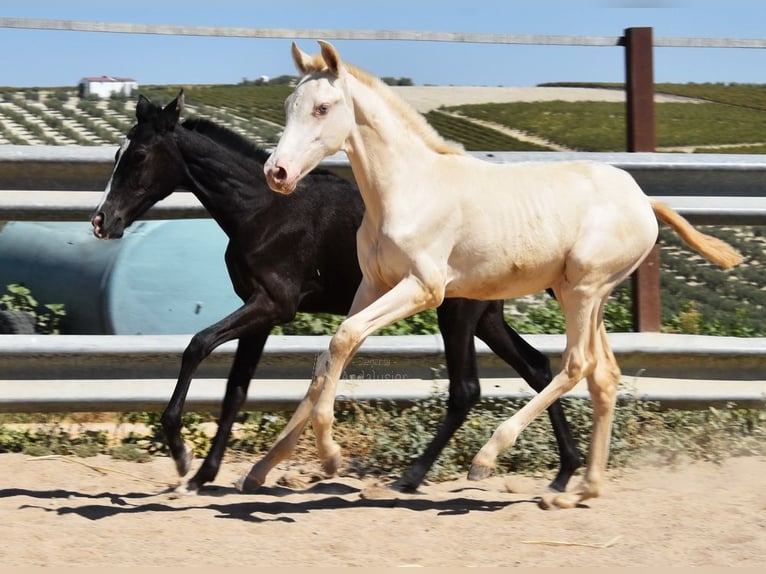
x,y
397,35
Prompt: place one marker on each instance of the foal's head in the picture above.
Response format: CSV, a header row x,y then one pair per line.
x,y
147,168
320,117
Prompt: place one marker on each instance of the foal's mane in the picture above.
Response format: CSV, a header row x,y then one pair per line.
x,y
226,137
405,111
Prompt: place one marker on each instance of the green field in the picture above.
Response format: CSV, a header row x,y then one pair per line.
x,y
600,126
729,118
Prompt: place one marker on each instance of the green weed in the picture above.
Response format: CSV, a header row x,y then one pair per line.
x,y
47,317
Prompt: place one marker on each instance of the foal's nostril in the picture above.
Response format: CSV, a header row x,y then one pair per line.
x,y
97,221
280,173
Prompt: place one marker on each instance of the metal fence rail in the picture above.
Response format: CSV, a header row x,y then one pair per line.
x,y
705,188
115,373
40,205
400,35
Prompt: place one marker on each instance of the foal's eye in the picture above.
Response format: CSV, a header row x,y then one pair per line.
x,y
321,109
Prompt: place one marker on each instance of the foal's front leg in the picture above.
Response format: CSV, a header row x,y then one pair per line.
x,y
249,350
251,323
407,298
199,348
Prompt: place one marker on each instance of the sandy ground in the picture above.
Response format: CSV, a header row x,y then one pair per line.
x,y
103,512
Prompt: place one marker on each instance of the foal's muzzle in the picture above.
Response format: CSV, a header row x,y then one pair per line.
x,y
278,179
100,231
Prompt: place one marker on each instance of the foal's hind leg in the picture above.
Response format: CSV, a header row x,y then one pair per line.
x,y
457,320
602,386
580,307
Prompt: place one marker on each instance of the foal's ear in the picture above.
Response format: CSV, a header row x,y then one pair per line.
x,y
145,109
172,112
331,57
302,59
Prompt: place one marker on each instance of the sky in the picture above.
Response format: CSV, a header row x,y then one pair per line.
x,y
40,58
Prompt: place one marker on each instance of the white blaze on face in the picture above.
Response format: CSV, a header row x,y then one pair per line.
x,y
120,153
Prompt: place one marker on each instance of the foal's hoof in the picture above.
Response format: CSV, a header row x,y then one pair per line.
x,y
183,490
331,465
247,483
555,501
479,472
183,464
403,485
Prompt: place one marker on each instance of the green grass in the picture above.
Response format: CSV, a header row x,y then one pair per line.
x,y
740,95
475,137
600,126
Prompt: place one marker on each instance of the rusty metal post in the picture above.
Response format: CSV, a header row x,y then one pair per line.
x,y
639,89
639,85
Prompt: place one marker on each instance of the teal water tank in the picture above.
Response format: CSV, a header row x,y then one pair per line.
x,y
162,277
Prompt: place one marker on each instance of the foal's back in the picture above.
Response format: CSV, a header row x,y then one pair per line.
x,y
551,219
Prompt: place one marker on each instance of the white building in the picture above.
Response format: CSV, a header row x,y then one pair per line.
x,y
105,86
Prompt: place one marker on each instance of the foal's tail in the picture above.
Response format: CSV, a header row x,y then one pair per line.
x,y
717,251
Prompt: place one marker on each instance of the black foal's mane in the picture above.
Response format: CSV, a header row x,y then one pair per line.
x,y
226,137
231,140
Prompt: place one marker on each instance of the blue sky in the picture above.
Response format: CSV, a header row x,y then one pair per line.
x,y
53,58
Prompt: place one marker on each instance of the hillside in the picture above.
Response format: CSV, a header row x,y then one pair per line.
x,y
721,119
709,118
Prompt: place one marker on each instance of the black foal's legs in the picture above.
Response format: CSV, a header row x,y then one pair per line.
x,y
245,321
534,368
457,319
249,350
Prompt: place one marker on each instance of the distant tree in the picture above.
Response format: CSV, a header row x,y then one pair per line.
x,y
397,81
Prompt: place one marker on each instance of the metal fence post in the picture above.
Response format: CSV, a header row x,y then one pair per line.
x,y
639,88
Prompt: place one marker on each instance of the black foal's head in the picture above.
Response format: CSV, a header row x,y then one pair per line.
x,y
147,168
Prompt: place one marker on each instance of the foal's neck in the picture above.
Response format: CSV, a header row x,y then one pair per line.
x,y
382,148
226,182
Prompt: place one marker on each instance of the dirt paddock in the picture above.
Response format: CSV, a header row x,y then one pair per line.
x,y
103,512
